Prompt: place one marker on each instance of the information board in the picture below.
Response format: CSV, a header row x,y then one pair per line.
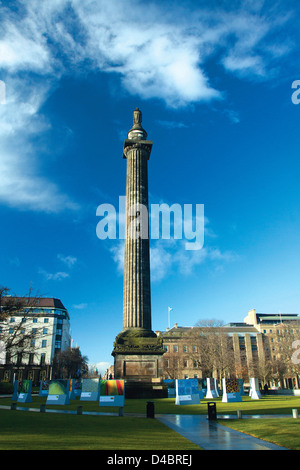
x,y
112,393
58,392
187,392
231,391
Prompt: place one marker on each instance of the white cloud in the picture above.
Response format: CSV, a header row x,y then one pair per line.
x,y
58,276
81,306
117,251
170,256
100,366
68,260
157,52
21,184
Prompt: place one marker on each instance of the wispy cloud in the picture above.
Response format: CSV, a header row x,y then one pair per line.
x,y
58,276
21,184
68,260
81,306
156,52
172,124
170,256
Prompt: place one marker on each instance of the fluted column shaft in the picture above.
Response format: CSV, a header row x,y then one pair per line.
x,y
137,295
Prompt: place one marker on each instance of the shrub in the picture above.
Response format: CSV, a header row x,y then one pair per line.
x,y
6,388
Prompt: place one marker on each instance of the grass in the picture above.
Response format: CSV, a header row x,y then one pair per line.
x,y
267,405
24,430
21,430
283,432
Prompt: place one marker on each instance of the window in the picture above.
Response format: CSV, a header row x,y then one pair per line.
x,y
44,343
167,363
12,320
34,320
43,359
32,343
45,331
46,320
166,348
184,349
185,363
194,348
34,330
175,348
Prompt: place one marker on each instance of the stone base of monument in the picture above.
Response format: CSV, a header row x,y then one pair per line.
x,y
138,360
145,390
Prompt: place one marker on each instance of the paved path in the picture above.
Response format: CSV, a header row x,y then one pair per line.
x,y
210,435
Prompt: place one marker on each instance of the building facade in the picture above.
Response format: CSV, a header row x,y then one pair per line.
x,y
30,336
261,346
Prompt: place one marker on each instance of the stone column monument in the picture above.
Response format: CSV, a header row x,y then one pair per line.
x,y
137,350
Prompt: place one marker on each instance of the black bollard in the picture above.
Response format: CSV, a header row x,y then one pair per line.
x,y
150,409
212,410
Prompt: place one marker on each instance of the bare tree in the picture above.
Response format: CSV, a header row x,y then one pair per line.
x,y
171,365
283,347
18,339
213,349
70,364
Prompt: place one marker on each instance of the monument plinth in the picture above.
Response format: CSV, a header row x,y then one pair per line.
x,y
137,350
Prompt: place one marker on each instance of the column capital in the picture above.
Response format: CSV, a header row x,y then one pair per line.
x,y
130,144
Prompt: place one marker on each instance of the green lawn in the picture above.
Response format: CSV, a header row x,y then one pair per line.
x,y
22,430
267,405
29,430
283,432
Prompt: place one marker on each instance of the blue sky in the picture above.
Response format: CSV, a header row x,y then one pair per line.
x,y
214,82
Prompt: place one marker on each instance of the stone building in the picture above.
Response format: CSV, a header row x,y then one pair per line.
x,y
44,324
261,346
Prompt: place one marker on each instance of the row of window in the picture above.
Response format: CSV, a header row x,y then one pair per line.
x,y
22,330
34,320
281,331
168,348
30,359
44,343
185,363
